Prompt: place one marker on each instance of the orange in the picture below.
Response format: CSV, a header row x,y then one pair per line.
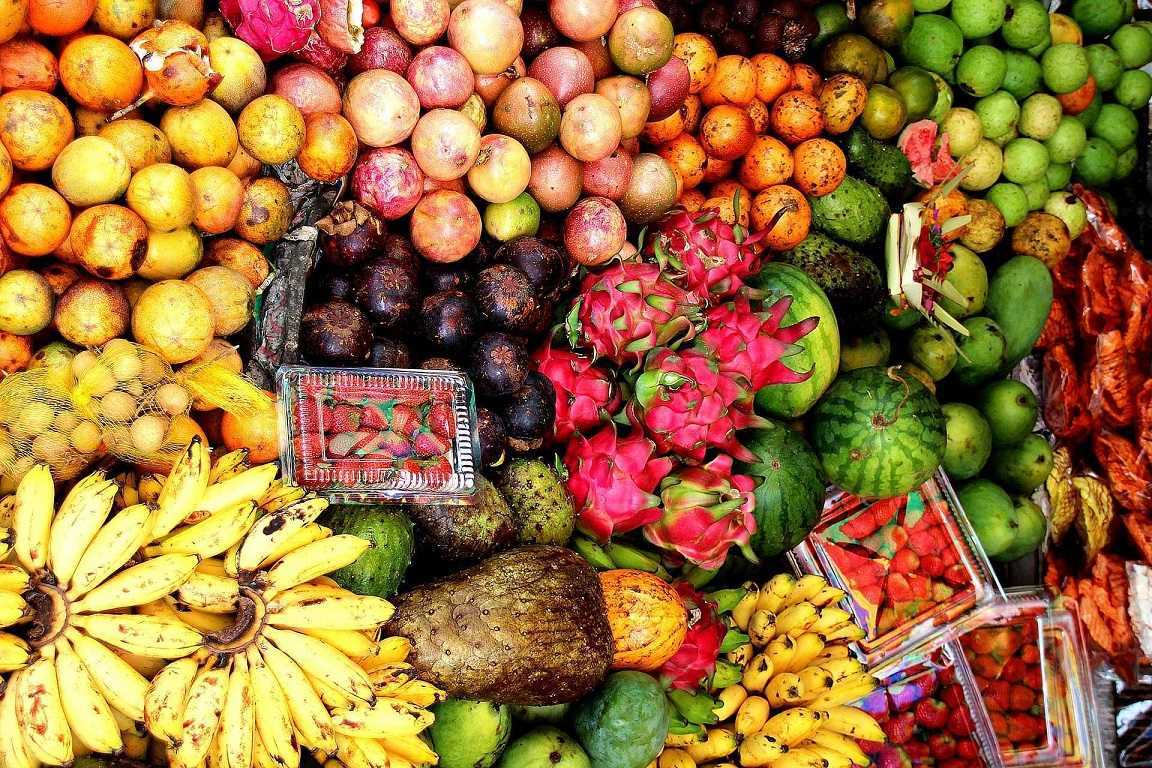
x,y
693,109
259,433
820,166
699,54
785,213
686,157
59,17
773,76
725,206
15,352
796,116
663,131
733,83
726,132
807,78
768,162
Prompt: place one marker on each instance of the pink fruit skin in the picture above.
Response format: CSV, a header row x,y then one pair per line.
x,y
383,49
595,230
555,181
320,54
445,226
702,252
590,127
669,88
420,22
583,20
586,394
608,177
488,33
750,345
445,144
565,71
307,86
272,27
441,77
389,181
489,87
382,107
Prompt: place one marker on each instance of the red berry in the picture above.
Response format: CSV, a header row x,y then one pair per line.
x,y
1014,669
906,561
440,419
898,588
942,745
918,751
405,420
900,728
967,748
1034,678
921,586
429,444
953,696
956,575
959,724
898,536
1030,653
373,418
932,714
931,566
341,418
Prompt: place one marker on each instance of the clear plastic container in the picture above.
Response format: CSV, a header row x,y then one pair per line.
x,y
370,435
1030,664
931,712
911,566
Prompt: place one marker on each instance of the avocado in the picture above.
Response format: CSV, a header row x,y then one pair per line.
x,y
525,626
878,162
855,212
624,723
539,503
851,282
379,570
456,532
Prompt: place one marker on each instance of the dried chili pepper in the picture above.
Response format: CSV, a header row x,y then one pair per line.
x,y
1127,471
1059,328
1065,402
1110,383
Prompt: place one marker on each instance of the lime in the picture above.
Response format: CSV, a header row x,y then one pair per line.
x,y
977,18
1126,162
1096,165
1099,18
1134,89
1066,144
917,88
1025,24
1133,43
1058,175
964,130
998,113
1022,74
934,43
1037,193
1116,125
980,70
833,20
1011,201
1105,65
985,163
1065,67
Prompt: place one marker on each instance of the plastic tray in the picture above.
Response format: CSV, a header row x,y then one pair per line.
x,y
911,566
931,711
370,435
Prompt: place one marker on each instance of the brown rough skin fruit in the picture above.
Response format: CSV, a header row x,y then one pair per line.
x,y
526,626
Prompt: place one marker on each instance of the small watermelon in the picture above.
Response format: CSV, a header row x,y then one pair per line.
x,y
878,431
789,487
819,351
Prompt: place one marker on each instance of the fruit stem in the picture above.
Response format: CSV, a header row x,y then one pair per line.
x,y
250,612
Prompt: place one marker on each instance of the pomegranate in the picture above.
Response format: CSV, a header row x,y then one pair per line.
x,y
445,144
590,128
308,87
632,100
489,87
389,181
594,231
441,77
583,20
383,49
445,226
382,107
565,71
488,33
502,169
608,177
668,88
555,180
420,22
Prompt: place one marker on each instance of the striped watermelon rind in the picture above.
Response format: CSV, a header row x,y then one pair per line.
x,y
878,431
789,487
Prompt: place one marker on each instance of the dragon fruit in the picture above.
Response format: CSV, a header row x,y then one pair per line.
x,y
612,480
695,662
630,308
702,252
272,27
707,509
586,394
687,405
752,344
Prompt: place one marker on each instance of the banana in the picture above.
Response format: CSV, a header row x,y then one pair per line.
x,y
816,681
807,587
350,754
410,748
247,486
351,612
261,757
232,560
202,714
751,716
831,618
263,545
773,592
13,578
121,685
741,654
35,500
838,669
808,646
79,518
238,720
111,547
273,714
143,583
333,697
675,758
40,713
853,722
353,644
14,653
761,628
830,758
849,633
851,688
184,487
309,715
758,673
793,726
7,539
744,609
13,749
833,653
279,495
212,535
759,750
85,708
165,700
785,689
211,593
324,662
837,742
721,742
312,560
126,495
795,620
228,465
203,621
801,758
677,740
729,700
152,637
149,488
389,651
12,608
382,720
827,596
418,692
781,650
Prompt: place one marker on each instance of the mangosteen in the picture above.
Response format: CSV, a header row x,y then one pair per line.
x,y
327,285
745,12
335,332
714,17
530,413
506,297
449,321
389,352
388,291
399,248
440,364
543,264
354,233
493,437
797,33
499,365
446,277
736,42
482,255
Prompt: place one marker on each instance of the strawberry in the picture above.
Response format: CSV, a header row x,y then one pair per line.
x,y
395,445
905,561
348,469
942,745
926,684
438,466
1030,653
921,586
343,444
429,444
919,751
998,693
931,565
999,722
341,418
1024,728
900,728
886,620
898,588
405,420
1014,669
441,419
1034,678
413,397
413,465
952,763
898,537
956,575
922,542
893,758
942,592
1021,697
952,695
959,724
932,714
373,417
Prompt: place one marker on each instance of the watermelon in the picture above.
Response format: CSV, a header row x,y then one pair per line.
x,y
789,487
878,431
819,351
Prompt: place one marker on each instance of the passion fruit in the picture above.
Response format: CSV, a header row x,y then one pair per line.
x,y
502,169
174,319
200,135
641,41
89,171
242,73
171,255
164,196
556,179
441,78
488,33
594,231
309,88
489,87
218,197
583,20
565,71
271,129
92,312
389,181
34,219
668,87
445,226
590,128
266,213
528,112
141,142
330,147
34,128
651,189
101,72
110,241
382,107
445,143
608,177
632,100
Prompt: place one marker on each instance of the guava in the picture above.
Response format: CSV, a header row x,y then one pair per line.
x,y
943,98
1003,139
969,276
977,18
1022,466
1126,162
1022,74
985,164
1025,23
964,130
1058,175
1096,165
969,441
998,113
1039,115
1133,43
1025,160
1105,65
1066,144
1065,67
1011,408
470,734
1134,89
933,349
872,348
1099,18
1116,125
934,43
980,70
1037,50
918,90
989,509
1063,29
1068,208
928,6
545,747
979,354
1011,201
900,318
1091,113
1036,192
1031,528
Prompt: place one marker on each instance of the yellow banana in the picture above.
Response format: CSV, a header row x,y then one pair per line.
x,y
280,494
13,578
126,495
203,621
249,485
675,758
793,726
228,465
333,697
232,560
752,715
306,535
410,748
795,620
7,539
829,595
149,488
35,499
758,673
208,592
8,511
85,708
816,681
238,720
122,686
112,546
853,722
761,628
809,645
830,757
382,720
350,611
729,700
150,636
80,516
164,703
309,715
322,661
350,754
839,669
807,587
781,650
14,652
774,591
272,531
202,714
12,608
833,653
721,742
388,651
800,757
14,751
212,566
143,583
312,560
184,487
848,690
848,633
273,714
40,713
210,536
742,613
352,643
741,654
831,618
261,757
677,740
838,742
759,750
418,692
785,689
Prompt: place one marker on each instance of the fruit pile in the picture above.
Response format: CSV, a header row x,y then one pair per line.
x,y
1006,662
745,27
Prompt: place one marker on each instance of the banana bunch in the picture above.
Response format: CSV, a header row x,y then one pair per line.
x,y
791,708
290,660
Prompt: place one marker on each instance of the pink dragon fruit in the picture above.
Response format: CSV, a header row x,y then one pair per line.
x,y
707,509
702,252
695,662
612,480
272,27
586,394
629,308
687,405
752,345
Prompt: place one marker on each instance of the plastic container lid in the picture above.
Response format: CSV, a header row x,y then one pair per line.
x,y
370,435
